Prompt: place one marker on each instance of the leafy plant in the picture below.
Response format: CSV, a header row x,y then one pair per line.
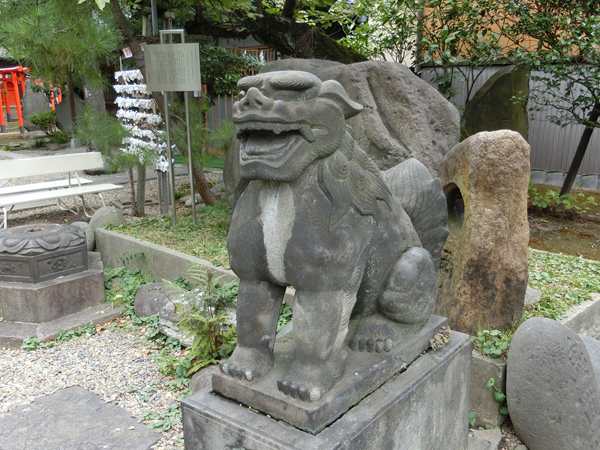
x,y
284,317
472,419
33,343
499,396
493,343
204,315
165,420
551,200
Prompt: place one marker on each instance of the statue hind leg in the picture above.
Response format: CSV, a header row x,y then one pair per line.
x,y
404,304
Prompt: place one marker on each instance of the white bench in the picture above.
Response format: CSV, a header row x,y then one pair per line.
x,y
71,186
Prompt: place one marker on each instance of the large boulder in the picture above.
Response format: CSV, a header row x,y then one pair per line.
x,y
63,111
33,102
483,275
403,117
493,107
150,299
552,389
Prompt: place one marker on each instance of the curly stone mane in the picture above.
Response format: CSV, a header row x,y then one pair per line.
x,y
349,178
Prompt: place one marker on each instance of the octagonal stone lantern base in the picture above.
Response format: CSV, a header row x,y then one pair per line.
x,y
46,273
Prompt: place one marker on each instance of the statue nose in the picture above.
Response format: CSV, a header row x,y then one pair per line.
x,y
254,99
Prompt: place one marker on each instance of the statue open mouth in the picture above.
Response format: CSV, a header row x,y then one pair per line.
x,y
271,141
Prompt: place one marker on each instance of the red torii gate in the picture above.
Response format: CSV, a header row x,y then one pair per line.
x,y
12,88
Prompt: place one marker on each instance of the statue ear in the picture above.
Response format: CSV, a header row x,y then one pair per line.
x,y
335,91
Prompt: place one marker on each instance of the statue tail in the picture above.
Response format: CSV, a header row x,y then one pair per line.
x,y
422,197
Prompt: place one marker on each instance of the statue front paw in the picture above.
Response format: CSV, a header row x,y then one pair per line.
x,y
247,363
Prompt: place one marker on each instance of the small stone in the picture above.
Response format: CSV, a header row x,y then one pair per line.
x,y
150,299
493,435
532,296
106,214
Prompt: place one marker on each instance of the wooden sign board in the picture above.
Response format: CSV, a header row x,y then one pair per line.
x,y
173,67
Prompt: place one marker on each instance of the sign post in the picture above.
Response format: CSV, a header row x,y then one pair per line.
x,y
175,68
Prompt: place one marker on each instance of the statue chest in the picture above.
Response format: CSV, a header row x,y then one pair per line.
x,y
277,216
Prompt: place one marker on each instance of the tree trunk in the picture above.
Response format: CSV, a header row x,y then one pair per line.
x,y
580,152
131,182
203,186
71,89
140,210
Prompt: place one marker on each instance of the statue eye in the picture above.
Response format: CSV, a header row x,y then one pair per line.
x,y
292,82
247,82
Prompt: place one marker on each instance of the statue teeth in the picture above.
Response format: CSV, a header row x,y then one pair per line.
x,y
258,126
307,133
277,129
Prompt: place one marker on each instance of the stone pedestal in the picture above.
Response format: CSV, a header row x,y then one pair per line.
x,y
424,407
52,299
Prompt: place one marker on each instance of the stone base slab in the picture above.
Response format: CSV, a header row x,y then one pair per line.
x,y
12,334
52,299
73,418
365,372
425,407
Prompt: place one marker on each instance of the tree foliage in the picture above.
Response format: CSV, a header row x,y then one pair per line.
x,y
58,40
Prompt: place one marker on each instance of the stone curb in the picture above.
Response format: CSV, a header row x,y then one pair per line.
x,y
12,334
161,262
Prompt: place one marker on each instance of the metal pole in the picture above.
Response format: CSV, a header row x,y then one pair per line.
x,y
163,33
189,144
154,18
170,159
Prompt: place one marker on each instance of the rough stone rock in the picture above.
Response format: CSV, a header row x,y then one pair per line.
x,y
104,215
493,108
73,418
493,436
188,201
483,276
33,102
480,444
552,392
63,111
170,315
90,238
36,134
532,296
150,299
403,117
593,347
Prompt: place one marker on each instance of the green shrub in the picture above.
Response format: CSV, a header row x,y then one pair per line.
x,y
46,120
60,137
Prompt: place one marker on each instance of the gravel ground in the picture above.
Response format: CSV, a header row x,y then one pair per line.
x,y
110,364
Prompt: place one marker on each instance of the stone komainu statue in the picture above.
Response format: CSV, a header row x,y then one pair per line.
x,y
314,212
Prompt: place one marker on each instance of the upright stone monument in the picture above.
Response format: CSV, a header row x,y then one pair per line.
x,y
361,248
493,107
484,271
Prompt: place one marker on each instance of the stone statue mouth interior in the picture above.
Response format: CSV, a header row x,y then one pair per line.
x,y
314,212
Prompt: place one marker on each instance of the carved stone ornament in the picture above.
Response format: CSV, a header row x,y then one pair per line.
x,y
41,252
314,212
39,238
